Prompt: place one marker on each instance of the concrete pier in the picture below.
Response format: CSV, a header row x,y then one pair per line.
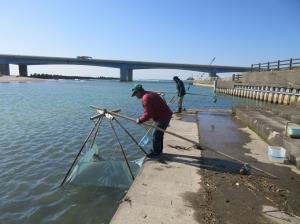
x,y
279,87
4,69
23,70
125,74
162,192
184,186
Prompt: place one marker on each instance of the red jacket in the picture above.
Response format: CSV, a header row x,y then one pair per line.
x,y
154,107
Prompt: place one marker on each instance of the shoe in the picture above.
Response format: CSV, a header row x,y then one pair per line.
x,y
153,154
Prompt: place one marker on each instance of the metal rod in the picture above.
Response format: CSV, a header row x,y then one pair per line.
x,y
67,174
132,138
121,147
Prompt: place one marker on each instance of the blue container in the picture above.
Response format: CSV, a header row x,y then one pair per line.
x,y
293,132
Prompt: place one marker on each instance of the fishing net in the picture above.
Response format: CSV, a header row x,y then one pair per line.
x,y
93,170
94,166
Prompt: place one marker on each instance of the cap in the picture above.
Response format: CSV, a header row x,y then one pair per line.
x,y
175,78
136,88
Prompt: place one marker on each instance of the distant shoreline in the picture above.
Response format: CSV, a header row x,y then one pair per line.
x,y
50,76
13,78
34,78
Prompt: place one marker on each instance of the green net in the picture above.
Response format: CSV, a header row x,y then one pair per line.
x,y
93,170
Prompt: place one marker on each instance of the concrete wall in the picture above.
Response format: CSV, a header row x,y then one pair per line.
x,y
4,69
225,84
286,79
279,87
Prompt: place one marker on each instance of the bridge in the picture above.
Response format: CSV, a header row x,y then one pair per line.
x,y
126,67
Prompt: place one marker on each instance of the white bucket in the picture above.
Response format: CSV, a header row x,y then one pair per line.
x,y
276,153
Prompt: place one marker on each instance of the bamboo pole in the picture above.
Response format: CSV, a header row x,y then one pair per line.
x,y
198,145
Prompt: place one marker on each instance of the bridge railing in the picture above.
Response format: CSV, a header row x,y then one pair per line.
x,y
276,65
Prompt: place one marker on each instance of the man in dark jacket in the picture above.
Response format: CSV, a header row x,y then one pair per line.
x,y
180,92
157,109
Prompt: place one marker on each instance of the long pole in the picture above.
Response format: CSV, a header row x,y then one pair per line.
x,y
200,146
196,94
92,130
121,147
149,125
96,132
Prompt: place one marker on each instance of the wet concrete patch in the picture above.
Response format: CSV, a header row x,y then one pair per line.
x,y
229,196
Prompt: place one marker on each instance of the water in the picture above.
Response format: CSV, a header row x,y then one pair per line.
x,y
43,124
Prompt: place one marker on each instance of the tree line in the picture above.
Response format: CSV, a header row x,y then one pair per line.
x,y
54,76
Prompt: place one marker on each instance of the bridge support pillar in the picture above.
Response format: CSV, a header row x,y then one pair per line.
x,y
213,76
4,69
129,77
23,70
125,74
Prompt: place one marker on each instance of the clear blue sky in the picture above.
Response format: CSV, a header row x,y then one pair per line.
x,y
188,31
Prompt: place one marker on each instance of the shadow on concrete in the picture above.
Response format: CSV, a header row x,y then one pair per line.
x,y
209,163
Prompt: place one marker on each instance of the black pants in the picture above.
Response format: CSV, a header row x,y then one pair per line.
x,y
158,136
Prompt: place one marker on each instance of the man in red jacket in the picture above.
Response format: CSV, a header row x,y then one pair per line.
x,y
157,109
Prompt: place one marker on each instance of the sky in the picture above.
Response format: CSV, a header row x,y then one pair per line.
x,y
235,32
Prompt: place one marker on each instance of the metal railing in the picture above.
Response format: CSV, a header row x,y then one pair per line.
x,y
236,77
276,65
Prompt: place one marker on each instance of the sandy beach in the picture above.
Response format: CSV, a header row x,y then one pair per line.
x,y
13,78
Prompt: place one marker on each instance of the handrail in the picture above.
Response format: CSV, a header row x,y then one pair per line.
x,y
276,65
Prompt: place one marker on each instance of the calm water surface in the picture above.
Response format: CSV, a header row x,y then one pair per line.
x,y
43,124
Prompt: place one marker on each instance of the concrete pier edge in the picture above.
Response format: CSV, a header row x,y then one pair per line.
x,y
162,190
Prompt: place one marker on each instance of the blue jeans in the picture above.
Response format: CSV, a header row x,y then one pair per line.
x,y
158,137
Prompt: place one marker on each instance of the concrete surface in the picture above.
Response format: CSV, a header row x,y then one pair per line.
x,y
271,128
225,84
161,192
236,198
286,78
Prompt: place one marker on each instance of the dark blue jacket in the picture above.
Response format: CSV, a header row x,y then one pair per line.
x,y
180,88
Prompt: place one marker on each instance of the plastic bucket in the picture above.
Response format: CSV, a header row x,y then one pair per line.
x,y
276,153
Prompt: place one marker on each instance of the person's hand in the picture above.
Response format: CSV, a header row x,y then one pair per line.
x,y
137,121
